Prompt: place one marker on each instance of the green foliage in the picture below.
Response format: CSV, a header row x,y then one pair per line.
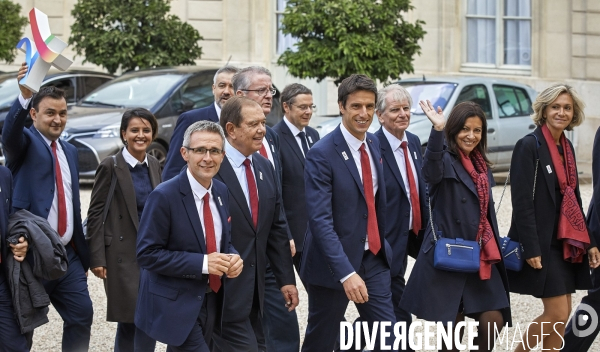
x,y
132,33
11,29
340,37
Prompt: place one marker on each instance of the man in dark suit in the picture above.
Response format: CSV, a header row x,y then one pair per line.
x,y
46,183
258,227
222,90
296,139
406,201
10,333
184,247
280,326
346,256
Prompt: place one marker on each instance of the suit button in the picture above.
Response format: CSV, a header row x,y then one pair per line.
x,y
47,209
120,238
362,239
408,214
199,298
252,264
464,200
51,190
364,216
193,276
458,221
120,217
119,260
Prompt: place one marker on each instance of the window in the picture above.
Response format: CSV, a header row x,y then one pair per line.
x,y
476,93
283,41
512,101
498,34
66,84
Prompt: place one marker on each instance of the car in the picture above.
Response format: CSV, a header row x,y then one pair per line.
x,y
76,84
93,124
507,106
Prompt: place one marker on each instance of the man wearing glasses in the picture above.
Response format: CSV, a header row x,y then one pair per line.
x,y
184,247
296,139
280,326
258,228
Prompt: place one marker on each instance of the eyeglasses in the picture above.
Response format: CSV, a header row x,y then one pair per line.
x,y
305,107
202,151
262,92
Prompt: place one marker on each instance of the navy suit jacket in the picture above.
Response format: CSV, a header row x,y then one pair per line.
x,y
175,162
398,201
337,211
31,162
268,241
292,180
170,251
5,209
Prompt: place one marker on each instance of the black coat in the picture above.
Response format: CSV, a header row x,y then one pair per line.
x,y
533,219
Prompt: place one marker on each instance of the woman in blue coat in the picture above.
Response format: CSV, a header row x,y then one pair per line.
x,y
460,181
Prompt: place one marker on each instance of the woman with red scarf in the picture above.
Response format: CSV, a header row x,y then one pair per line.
x,y
547,216
460,180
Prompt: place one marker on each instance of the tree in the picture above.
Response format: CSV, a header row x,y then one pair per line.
x,y
132,34
11,27
337,38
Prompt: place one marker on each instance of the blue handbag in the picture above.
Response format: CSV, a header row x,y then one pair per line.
x,y
512,254
454,254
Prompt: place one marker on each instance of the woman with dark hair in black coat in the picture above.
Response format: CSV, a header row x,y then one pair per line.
x,y
460,180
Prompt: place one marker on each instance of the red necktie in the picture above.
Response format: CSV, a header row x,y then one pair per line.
x,y
263,151
214,281
372,227
253,192
62,206
414,195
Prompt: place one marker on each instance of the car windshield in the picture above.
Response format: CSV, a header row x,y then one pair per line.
x,y
9,91
137,91
437,93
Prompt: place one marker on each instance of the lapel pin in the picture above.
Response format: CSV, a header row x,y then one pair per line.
x,y
220,203
310,140
415,154
272,149
345,156
229,219
549,169
381,160
370,141
260,175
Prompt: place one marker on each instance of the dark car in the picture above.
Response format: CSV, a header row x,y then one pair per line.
x,y
93,124
75,83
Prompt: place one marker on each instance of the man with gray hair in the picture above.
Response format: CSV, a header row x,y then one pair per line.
x,y
406,200
222,89
280,326
184,247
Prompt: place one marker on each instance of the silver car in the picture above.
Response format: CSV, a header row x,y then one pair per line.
x,y
507,106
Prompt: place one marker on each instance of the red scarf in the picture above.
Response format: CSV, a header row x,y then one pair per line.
x,y
571,223
489,253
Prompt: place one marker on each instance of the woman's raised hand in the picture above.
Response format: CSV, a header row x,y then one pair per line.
x,y
436,117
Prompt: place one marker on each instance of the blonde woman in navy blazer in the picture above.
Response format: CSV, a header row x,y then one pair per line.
x,y
437,295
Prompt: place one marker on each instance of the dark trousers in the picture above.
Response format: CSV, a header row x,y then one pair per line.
x,y
296,260
129,338
200,338
70,297
326,306
11,339
281,329
574,343
398,285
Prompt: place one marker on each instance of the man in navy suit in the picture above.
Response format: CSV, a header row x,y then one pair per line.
x,y
281,328
46,182
258,228
346,256
406,206
10,334
222,90
184,247
296,139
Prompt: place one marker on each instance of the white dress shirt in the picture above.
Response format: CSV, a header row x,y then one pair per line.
x,y
218,108
199,193
131,160
399,156
236,159
295,132
354,145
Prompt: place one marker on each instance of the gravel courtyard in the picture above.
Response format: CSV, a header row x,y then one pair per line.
x,y
47,337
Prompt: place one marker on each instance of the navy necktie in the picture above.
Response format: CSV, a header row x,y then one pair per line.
x,y
302,136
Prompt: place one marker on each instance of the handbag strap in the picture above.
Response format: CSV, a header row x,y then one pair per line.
x,y
113,183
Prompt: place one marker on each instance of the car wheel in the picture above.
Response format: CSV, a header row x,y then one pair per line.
x,y
159,152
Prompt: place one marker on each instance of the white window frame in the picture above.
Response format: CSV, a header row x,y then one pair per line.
x,y
279,13
499,67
